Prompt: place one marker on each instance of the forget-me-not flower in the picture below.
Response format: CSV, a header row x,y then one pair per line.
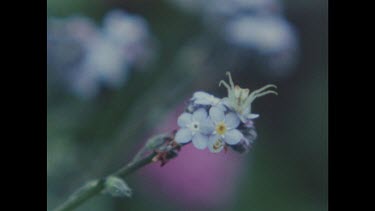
x,y
214,123
194,127
225,131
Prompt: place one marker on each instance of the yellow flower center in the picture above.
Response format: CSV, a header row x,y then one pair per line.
x,y
221,128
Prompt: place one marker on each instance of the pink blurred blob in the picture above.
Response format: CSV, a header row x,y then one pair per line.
x,y
195,179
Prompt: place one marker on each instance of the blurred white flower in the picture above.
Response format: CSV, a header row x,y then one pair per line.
x,y
125,28
227,7
130,32
85,57
104,64
219,9
267,34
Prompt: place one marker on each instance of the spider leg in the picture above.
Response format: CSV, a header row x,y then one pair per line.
x,y
262,94
266,93
230,80
224,84
255,93
263,88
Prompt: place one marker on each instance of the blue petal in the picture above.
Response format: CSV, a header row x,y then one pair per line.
x,y
183,136
216,114
231,120
200,141
184,119
206,127
200,115
233,137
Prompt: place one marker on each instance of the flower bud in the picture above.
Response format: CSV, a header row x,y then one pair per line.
x,y
157,141
117,187
242,147
250,134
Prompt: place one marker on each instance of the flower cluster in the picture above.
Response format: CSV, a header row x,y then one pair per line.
x,y
86,58
214,123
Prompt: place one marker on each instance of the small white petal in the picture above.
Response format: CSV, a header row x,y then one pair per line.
x,y
183,136
202,102
200,115
231,120
184,119
200,141
215,145
233,137
201,98
200,95
252,116
216,114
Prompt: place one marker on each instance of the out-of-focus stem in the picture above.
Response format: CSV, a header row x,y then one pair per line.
x,y
88,191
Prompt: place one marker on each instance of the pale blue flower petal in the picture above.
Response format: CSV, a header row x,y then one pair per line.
x,y
221,106
247,118
216,114
206,126
215,144
233,137
231,120
200,141
184,119
200,115
183,136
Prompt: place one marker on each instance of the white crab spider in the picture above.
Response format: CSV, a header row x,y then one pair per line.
x,y
240,99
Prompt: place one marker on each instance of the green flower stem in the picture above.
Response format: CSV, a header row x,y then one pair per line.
x,y
93,188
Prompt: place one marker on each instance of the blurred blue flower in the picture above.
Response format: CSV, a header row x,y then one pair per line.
x,y
84,57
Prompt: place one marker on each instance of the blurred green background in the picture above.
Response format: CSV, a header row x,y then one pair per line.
x,y
87,139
